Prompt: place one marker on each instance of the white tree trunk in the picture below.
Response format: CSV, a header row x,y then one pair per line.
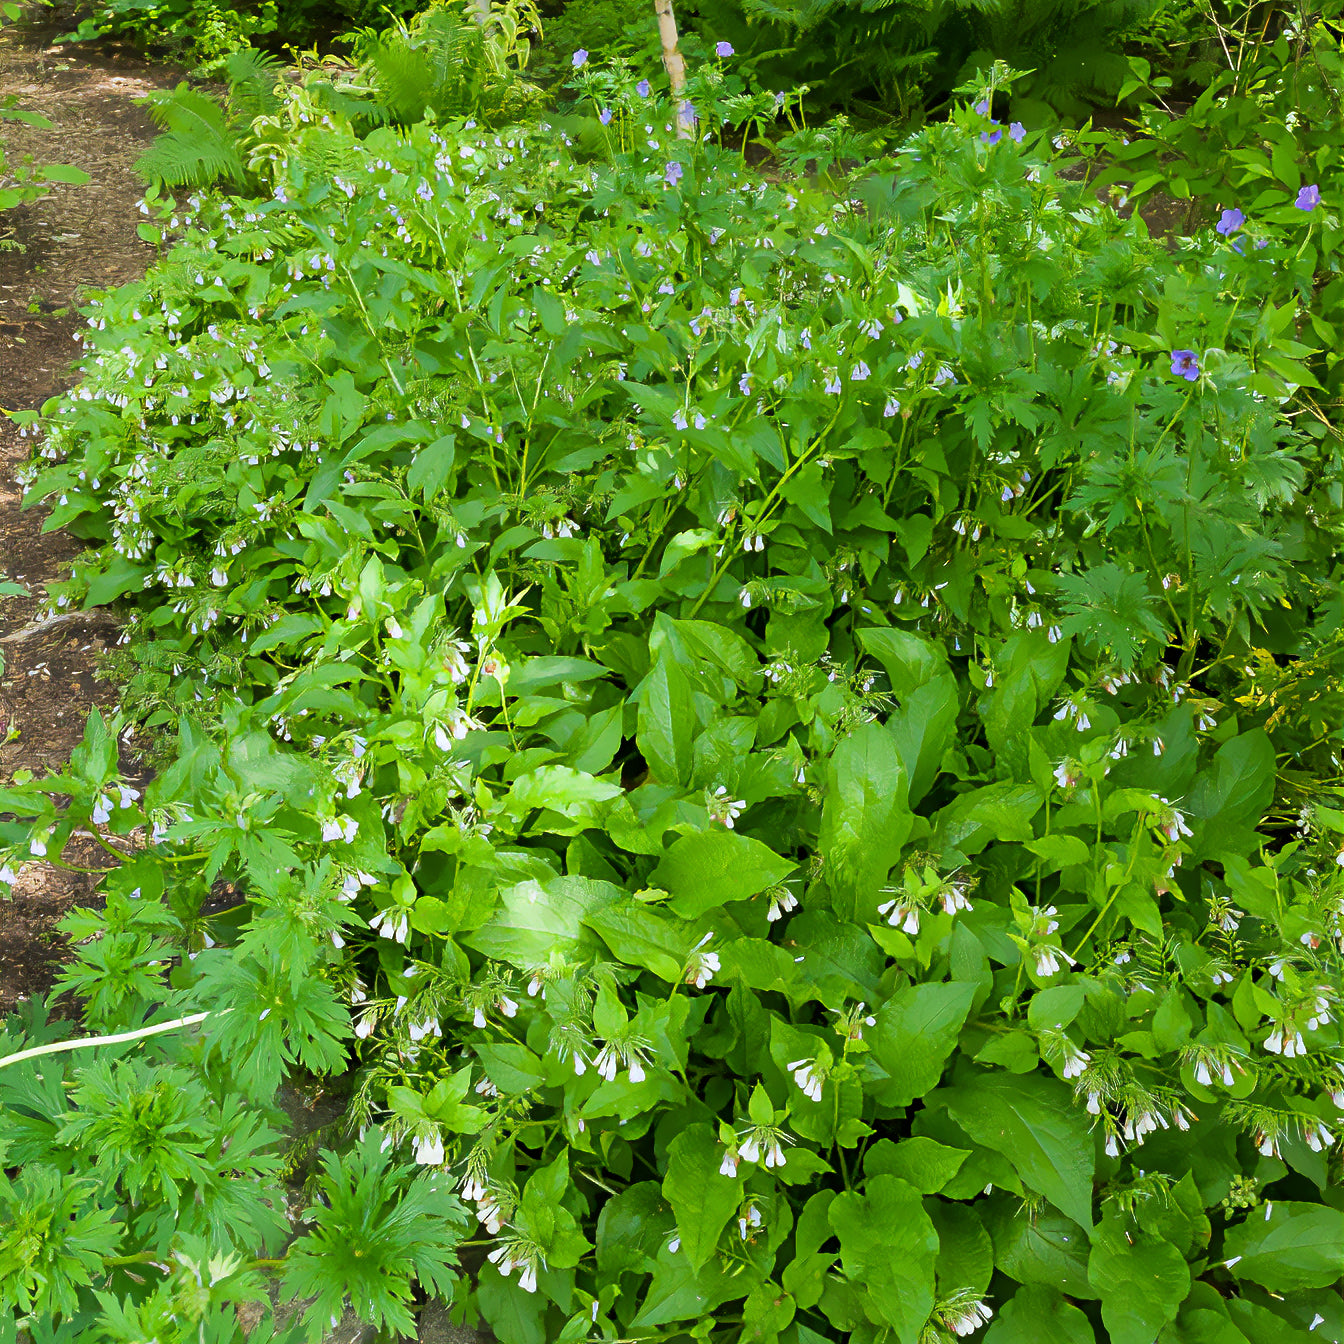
x,y
672,62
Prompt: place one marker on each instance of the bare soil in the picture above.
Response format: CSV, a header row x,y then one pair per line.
x,y
76,240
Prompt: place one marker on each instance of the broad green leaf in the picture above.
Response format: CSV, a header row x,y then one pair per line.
x,y
535,919
631,1228
514,1069
925,1163
702,1198
924,729
1038,1314
1045,1248
888,1245
1230,796
910,661
711,869
1142,1280
994,812
642,936
666,723
916,1031
1033,1121
431,467
865,819
1287,1246
965,1251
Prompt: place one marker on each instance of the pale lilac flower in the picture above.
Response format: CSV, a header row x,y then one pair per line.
x,y
723,50
1017,131
642,88
1308,198
579,59
604,116
673,173
1229,222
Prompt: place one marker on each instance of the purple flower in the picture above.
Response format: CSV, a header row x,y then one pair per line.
x,y
723,50
580,58
1018,131
687,114
673,173
992,137
604,116
642,88
982,107
1185,364
1229,222
1308,198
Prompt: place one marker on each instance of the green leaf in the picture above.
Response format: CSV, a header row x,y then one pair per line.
x,y
924,729
712,868
1044,1247
1230,796
1142,1280
63,172
535,919
666,723
1056,1006
642,937
917,1029
1033,1121
925,1163
865,819
1038,1314
431,467
995,812
1297,1246
702,1198
514,1069
888,1246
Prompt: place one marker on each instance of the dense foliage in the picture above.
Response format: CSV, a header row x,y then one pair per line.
x,y
791,739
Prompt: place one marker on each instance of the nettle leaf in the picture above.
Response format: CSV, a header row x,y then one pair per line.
x,y
888,1246
702,1197
916,1033
1288,1246
714,868
1142,1280
1033,1121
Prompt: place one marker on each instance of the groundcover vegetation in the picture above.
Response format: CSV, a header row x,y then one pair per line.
x,y
782,734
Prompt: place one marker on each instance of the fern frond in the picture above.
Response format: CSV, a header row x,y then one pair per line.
x,y
177,159
253,76
197,146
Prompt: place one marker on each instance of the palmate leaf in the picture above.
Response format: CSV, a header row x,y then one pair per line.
x,y
376,1233
53,1241
1111,609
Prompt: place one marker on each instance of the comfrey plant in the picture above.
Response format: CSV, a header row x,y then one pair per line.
x,y
753,722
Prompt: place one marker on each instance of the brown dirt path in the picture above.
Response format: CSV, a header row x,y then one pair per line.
x,y
79,238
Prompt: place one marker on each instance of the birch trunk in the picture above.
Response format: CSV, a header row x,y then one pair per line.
x,y
672,62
